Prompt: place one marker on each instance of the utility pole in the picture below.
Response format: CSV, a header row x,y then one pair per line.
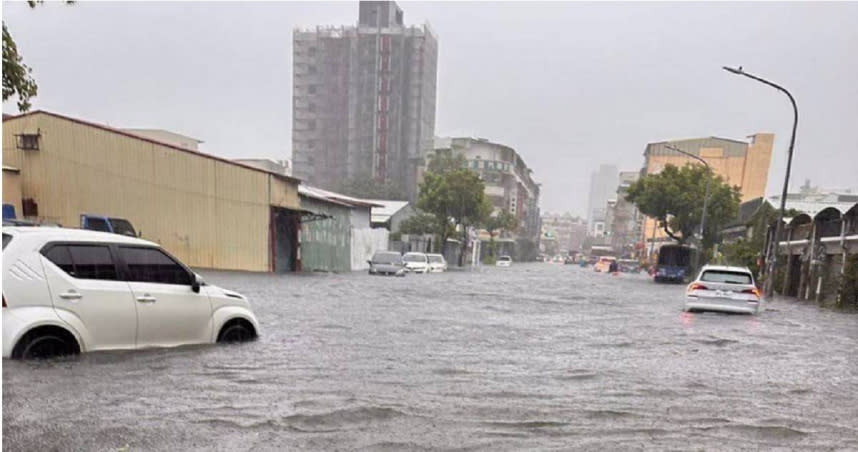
x,y
772,264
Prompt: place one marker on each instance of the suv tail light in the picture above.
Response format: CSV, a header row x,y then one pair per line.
x,y
697,286
754,291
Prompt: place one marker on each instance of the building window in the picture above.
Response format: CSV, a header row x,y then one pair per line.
x,y
311,107
311,89
28,141
312,69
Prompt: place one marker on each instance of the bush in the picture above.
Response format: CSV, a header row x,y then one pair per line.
x,y
849,284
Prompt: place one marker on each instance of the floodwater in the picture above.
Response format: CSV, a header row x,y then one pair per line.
x,y
537,356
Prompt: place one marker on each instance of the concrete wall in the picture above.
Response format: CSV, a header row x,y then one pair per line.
x,y
364,243
208,212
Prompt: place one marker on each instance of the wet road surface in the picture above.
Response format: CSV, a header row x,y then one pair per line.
x,y
536,356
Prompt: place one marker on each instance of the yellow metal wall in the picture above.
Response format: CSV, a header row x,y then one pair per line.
x,y
209,213
12,190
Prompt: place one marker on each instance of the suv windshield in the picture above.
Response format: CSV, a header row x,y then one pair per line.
x,y
504,258
386,258
727,277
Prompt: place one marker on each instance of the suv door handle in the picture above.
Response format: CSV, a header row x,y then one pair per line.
x,y
146,298
71,295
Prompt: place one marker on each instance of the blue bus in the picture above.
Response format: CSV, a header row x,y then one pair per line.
x,y
674,263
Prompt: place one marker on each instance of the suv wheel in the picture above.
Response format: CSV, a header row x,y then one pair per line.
x,y
44,344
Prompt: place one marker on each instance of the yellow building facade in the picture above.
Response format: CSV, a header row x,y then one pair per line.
x,y
741,163
207,211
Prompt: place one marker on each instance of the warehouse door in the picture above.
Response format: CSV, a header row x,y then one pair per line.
x,y
284,239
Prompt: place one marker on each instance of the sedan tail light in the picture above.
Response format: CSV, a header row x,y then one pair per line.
x,y
754,291
697,286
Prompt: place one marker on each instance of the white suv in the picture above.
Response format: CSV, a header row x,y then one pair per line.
x,y
725,289
67,291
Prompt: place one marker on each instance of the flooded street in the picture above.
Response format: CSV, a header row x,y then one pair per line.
x,y
536,356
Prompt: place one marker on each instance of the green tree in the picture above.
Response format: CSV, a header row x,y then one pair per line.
x,y
369,188
418,224
674,197
454,196
17,76
503,221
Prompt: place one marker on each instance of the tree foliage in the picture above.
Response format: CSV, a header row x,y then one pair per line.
x,y
371,189
419,224
674,197
503,221
454,196
17,76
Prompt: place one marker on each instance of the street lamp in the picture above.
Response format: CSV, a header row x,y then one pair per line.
x,y
770,280
705,200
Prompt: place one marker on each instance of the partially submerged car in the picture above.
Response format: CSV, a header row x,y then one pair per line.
x,y
386,263
603,265
724,289
416,262
437,263
72,291
504,261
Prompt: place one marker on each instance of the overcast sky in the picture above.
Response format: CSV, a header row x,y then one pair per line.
x,y
569,85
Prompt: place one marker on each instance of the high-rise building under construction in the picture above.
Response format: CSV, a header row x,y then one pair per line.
x,y
363,100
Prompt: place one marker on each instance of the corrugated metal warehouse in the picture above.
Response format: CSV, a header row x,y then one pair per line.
x,y
209,212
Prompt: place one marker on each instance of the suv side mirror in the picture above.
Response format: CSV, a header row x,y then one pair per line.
x,y
197,282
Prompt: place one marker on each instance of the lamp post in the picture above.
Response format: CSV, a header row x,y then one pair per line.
x,y
770,280
705,200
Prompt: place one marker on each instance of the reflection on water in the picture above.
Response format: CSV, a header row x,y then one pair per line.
x,y
528,357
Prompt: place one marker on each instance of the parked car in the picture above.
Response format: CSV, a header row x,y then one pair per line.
x,y
72,291
437,263
603,265
107,224
569,260
629,265
416,262
725,289
386,263
504,261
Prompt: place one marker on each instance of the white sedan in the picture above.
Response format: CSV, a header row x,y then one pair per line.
x,y
437,263
724,289
504,261
416,262
67,291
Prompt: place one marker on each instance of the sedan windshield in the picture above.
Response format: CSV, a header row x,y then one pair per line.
x,y
728,277
386,258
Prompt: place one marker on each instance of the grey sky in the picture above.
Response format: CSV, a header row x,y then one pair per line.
x,y
570,85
